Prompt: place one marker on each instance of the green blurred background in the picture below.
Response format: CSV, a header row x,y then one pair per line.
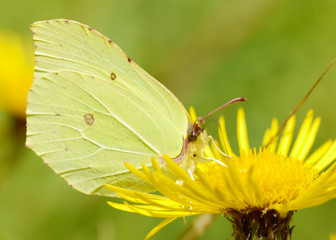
x,y
206,52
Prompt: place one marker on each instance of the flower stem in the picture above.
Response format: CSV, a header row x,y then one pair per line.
x,y
198,227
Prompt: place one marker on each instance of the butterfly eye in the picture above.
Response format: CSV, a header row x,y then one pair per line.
x,y
194,132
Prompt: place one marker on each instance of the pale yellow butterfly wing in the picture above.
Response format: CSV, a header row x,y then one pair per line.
x,y
91,109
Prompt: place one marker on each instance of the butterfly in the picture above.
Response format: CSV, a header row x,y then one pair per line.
x,y
91,109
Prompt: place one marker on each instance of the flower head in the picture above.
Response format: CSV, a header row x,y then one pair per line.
x,y
271,181
16,73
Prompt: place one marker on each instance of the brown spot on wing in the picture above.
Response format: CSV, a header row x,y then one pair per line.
x,y
113,76
89,119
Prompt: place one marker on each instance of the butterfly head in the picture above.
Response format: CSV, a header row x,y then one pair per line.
x,y
193,132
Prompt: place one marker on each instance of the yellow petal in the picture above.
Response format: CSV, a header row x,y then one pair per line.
x,y
270,138
192,113
317,154
301,138
309,140
159,227
242,132
328,158
223,137
286,137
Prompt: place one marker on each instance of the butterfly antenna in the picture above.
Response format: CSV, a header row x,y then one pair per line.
x,y
301,103
240,99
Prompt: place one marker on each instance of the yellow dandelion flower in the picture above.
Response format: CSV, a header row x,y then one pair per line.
x,y
257,191
16,73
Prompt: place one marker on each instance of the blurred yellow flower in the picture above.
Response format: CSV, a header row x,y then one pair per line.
x,y
263,186
332,236
16,73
